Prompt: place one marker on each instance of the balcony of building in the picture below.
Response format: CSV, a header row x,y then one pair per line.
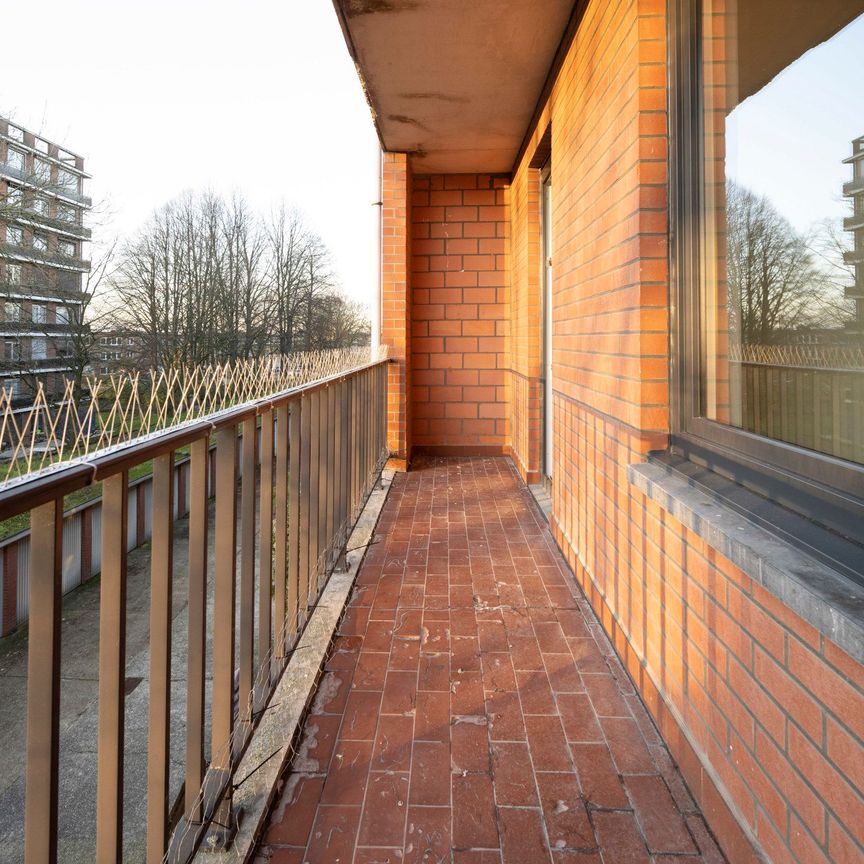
x,y
340,661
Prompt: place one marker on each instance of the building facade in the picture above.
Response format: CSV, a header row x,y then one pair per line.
x,y
854,190
568,215
43,263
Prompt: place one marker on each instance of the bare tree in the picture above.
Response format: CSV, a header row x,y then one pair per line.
x,y
206,279
776,284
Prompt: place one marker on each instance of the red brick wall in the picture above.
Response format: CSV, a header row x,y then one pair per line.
x,y
527,311
762,713
396,296
460,318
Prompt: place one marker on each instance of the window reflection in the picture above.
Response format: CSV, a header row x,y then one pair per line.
x,y
782,300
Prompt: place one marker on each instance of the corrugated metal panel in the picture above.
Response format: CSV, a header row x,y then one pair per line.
x,y
148,510
96,535
23,579
71,552
132,527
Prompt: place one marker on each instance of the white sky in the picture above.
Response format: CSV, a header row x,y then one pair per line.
x,y
258,96
789,140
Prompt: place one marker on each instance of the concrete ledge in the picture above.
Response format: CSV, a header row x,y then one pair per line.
x,y
273,740
820,595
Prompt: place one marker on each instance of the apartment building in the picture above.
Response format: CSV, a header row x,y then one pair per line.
x,y
43,242
854,190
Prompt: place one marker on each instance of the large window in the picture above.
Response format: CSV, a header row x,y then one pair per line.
x,y
770,250
15,159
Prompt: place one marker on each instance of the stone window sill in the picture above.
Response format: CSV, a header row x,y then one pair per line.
x,y
819,594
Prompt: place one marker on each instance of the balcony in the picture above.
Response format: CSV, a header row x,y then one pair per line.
x,y
854,222
854,187
288,475
27,179
37,256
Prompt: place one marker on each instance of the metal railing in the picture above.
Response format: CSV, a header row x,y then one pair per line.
x,y
315,452
107,412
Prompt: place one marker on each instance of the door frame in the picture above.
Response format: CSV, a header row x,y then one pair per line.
x,y
546,249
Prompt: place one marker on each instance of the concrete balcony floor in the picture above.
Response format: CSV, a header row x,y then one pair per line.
x,y
472,710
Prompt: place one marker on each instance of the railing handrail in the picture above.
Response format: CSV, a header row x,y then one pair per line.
x,y
22,495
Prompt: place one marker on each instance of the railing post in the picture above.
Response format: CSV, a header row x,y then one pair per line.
x,y
222,742
331,473
323,485
112,670
265,557
197,641
247,569
355,448
281,577
304,565
293,519
159,736
43,684
314,490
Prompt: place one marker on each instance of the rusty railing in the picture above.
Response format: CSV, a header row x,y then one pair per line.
x,y
309,457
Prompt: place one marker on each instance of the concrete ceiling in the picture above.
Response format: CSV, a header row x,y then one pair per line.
x,y
454,82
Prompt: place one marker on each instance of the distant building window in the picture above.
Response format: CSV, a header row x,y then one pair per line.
x,y
67,247
14,196
40,242
66,213
42,170
68,282
15,159
11,312
40,205
38,348
42,146
11,349
16,133
67,180
38,313
14,235
62,315
13,274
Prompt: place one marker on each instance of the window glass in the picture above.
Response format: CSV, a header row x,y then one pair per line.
x,y
65,213
38,313
11,312
66,247
67,180
13,274
42,170
40,242
38,348
14,196
14,235
15,159
62,315
40,205
782,302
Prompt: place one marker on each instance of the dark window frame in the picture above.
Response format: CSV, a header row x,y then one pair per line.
x,y
826,489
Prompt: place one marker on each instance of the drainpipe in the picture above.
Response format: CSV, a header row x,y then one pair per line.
x,y
376,311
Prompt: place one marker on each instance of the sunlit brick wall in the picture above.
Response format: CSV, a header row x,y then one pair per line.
x,y
460,317
527,312
396,296
762,713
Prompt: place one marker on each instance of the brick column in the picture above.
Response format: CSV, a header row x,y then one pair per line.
x,y
395,297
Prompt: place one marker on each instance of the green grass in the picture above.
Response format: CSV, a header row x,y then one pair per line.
x,y
21,522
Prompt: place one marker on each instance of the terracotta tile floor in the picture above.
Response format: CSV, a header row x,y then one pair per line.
x,y
472,710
